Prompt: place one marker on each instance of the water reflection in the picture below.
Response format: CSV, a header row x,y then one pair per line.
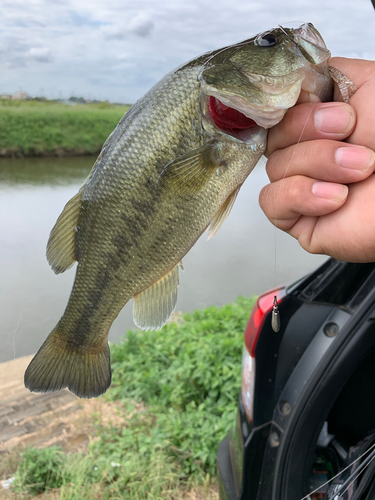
x,y
44,171
239,260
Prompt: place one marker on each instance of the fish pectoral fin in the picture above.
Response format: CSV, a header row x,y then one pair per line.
x,y
59,364
153,306
222,214
61,242
190,172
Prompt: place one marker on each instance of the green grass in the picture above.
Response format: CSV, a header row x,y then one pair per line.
x,y
48,128
41,469
179,387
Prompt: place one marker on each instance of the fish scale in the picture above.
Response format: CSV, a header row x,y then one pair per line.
x,y
167,173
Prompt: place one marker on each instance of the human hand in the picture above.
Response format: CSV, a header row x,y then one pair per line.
x,y
322,190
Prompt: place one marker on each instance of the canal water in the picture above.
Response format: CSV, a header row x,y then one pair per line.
x,y
238,260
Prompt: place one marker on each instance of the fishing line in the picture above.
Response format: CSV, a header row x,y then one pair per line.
x,y
275,316
341,471
14,335
294,23
361,469
356,474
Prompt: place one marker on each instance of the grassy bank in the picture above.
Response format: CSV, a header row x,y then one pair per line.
x,y
176,393
33,128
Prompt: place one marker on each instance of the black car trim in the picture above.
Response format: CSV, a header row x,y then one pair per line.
x,y
326,369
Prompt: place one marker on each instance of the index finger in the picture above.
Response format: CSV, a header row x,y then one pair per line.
x,y
309,121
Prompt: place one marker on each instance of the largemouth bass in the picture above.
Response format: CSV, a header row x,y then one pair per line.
x,y
171,169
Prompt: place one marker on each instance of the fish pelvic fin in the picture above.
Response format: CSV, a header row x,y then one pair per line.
x,y
153,306
57,364
223,213
61,252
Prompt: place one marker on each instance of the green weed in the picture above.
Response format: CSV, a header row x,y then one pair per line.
x,y
40,470
179,387
188,375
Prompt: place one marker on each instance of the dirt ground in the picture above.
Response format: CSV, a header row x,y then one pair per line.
x,y
31,419
58,418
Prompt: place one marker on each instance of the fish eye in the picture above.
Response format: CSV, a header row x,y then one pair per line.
x,y
266,40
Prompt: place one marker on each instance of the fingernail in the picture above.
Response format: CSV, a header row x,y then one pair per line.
x,y
356,157
330,191
334,119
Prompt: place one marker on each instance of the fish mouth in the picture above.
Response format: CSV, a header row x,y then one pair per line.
x,y
219,118
257,101
234,116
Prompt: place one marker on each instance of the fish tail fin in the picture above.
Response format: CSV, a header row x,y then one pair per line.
x,y
57,364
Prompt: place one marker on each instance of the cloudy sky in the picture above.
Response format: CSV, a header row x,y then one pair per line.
x,y
117,49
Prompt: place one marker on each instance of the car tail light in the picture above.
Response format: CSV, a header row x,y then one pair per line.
x,y
247,383
261,309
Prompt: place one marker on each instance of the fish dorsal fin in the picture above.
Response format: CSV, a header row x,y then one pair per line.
x,y
222,214
153,306
61,242
190,172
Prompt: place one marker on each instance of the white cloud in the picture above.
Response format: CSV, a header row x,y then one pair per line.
x,y
40,54
117,49
114,32
141,25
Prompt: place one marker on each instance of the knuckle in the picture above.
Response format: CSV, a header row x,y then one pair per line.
x,y
292,188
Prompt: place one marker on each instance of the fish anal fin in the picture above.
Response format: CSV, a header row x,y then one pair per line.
x,y
61,242
153,306
189,173
223,213
84,371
